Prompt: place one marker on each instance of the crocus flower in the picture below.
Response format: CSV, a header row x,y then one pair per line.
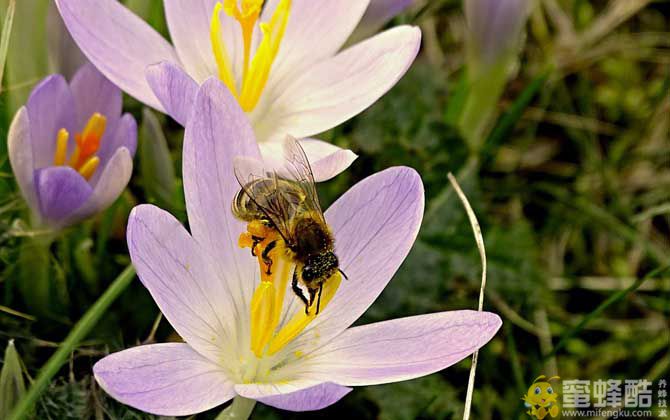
x,y
281,60
251,338
70,148
494,29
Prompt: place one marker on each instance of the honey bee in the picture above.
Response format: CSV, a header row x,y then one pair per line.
x,y
285,200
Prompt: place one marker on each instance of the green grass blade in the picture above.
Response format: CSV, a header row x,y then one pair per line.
x,y
614,298
4,38
78,333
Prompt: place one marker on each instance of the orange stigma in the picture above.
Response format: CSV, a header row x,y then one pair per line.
x,y
83,157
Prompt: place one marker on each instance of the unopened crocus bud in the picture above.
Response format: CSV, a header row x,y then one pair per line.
x,y
494,34
494,29
378,13
70,148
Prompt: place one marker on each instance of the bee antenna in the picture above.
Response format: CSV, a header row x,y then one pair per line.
x,y
343,273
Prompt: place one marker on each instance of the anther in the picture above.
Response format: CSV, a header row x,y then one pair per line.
x,y
61,147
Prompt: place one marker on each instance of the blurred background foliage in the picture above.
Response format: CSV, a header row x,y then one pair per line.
x,y
571,186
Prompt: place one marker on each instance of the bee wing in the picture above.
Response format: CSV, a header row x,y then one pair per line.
x,y
298,169
262,185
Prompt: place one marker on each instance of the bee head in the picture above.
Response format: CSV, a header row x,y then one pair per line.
x,y
319,266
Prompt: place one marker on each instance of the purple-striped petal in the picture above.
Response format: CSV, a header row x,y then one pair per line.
x,y
119,43
20,151
378,13
216,132
94,93
174,88
108,184
125,135
164,379
375,224
402,349
50,108
340,87
60,190
182,280
309,399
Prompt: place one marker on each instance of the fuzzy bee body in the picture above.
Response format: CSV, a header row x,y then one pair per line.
x,y
286,202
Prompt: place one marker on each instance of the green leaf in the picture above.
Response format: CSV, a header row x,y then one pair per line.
x,y
12,385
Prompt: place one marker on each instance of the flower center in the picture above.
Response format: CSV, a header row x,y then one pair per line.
x,y
83,157
267,336
256,70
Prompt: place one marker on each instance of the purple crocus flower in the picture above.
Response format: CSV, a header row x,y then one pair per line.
x,y
494,28
70,148
205,284
281,59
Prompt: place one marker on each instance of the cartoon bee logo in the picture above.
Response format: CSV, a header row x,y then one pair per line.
x,y
541,399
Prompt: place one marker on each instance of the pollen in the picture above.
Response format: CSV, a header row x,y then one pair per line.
x,y
83,158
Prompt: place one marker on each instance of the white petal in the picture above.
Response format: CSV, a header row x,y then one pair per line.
x,y
183,281
168,379
336,89
118,42
401,349
316,30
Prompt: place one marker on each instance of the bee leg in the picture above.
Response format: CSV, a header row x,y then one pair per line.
x,y
266,256
298,292
256,241
318,300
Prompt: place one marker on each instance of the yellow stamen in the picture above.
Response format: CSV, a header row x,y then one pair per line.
x,y
301,320
268,299
219,49
247,18
257,76
61,147
262,316
88,169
